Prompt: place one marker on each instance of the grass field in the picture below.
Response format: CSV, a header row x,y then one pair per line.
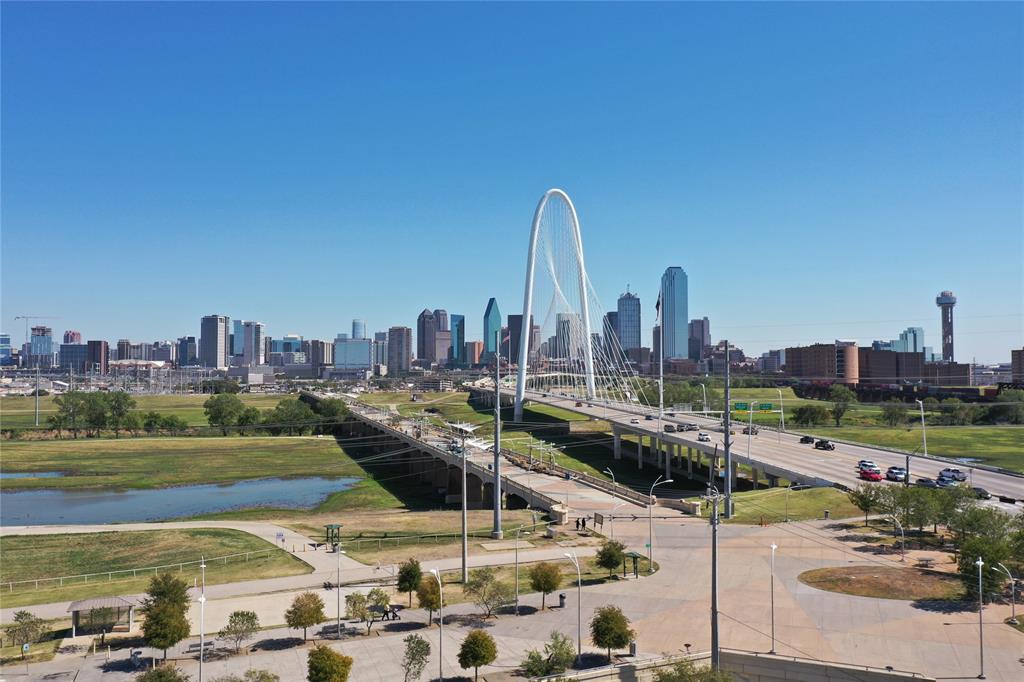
x,y
19,411
771,505
30,557
885,582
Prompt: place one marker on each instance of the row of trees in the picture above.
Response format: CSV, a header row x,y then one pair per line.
x,y
291,416
94,412
1007,409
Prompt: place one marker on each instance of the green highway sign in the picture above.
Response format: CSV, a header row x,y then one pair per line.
x,y
741,407
765,407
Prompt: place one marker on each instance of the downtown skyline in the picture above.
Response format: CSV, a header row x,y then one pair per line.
x,y
796,220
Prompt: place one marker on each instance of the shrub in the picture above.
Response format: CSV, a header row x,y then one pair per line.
x,y
477,649
327,665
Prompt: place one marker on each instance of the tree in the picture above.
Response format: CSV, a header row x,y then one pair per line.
x,y
809,415
120,406
865,498
166,612
559,653
173,424
250,676
687,671
931,404
487,592
58,423
26,627
223,410
477,649
417,651
609,629
610,556
331,412
409,575
894,413
164,674
71,410
428,593
151,422
991,552
841,397
290,415
357,607
545,578
241,626
95,410
327,665
379,598
248,417
132,422
307,610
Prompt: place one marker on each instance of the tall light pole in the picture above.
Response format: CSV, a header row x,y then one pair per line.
x,y
750,425
903,538
1013,592
924,431
981,629
713,497
611,518
440,625
337,587
518,530
579,603
661,354
782,414
608,470
704,391
774,547
496,531
726,424
650,522
202,617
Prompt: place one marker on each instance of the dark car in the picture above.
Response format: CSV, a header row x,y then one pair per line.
x,y
690,427
926,483
944,482
649,417
806,439
824,445
670,414
750,430
981,493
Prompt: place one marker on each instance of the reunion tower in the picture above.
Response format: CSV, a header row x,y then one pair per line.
x,y
946,300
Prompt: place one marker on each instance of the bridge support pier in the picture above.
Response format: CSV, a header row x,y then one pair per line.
x,y
755,475
689,463
733,475
617,450
668,459
439,476
639,451
773,481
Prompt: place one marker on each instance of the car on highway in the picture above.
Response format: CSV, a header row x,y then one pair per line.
x,y
871,474
864,462
750,430
649,417
981,493
925,483
824,445
579,403
944,482
670,414
689,427
896,474
670,428
634,420
703,437
954,474
806,439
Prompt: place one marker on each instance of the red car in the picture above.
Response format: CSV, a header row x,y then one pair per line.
x,y
870,475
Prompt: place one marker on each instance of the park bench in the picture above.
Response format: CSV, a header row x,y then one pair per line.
x,y
926,562
194,648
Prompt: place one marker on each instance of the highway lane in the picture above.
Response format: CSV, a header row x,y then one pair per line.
x,y
785,450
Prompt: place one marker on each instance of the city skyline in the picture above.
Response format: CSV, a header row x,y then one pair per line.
x,y
927,157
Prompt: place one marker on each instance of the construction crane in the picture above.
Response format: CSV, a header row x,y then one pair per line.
x,y
33,317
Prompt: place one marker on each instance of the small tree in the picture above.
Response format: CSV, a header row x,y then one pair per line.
x,y
809,415
250,676
173,424
379,598
611,555
223,410
609,629
841,397
865,498
559,653
248,417
151,422
429,596
991,552
894,413
687,671
477,649
327,665
307,610
414,661
487,592
409,575
241,627
545,578
26,627
164,674
357,607
120,405
166,612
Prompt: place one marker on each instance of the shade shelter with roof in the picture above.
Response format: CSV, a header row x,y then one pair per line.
x,y
122,608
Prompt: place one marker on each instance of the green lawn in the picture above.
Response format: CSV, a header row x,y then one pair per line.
x,y
19,411
30,557
771,505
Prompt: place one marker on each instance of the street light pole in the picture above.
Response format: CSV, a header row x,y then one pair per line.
x,y
704,391
496,531
1013,592
782,414
981,630
903,538
518,530
440,625
608,470
337,587
924,430
202,617
579,604
650,523
465,523
774,547
714,497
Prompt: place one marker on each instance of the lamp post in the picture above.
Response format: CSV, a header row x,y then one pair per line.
x,y
924,430
782,414
579,603
337,587
903,539
1013,592
750,425
774,547
704,391
440,625
611,518
202,617
518,530
608,470
650,522
981,630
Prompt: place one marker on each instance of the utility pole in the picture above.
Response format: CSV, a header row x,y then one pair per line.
x,y
713,496
726,423
37,395
496,532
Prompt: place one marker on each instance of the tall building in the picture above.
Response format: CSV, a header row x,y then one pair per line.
x,y
237,338
352,354
98,352
475,349
291,343
568,341
186,351
6,357
124,349
442,346
675,312
492,329
441,318
213,341
698,338
611,332
1017,366
380,348
74,357
253,334
71,336
41,349
399,349
426,328
515,337
358,329
458,343
629,320
319,354
946,300
823,361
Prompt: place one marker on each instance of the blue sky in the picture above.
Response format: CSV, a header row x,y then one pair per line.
x,y
819,170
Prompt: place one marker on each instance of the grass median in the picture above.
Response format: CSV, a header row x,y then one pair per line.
x,y
773,505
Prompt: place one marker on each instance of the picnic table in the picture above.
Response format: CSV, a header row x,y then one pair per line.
x,y
926,562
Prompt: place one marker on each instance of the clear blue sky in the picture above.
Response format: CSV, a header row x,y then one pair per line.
x,y
819,170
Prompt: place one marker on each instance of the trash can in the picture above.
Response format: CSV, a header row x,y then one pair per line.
x,y
828,514
632,648
561,600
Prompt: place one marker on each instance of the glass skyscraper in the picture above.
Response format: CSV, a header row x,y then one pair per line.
x,y
629,321
492,329
458,350
675,313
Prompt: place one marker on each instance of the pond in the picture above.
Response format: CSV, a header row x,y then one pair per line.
x,y
46,507
31,474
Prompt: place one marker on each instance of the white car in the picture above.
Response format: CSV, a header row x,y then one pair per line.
x,y
703,437
865,464
634,421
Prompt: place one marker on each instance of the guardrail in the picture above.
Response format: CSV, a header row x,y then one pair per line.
x,y
122,574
